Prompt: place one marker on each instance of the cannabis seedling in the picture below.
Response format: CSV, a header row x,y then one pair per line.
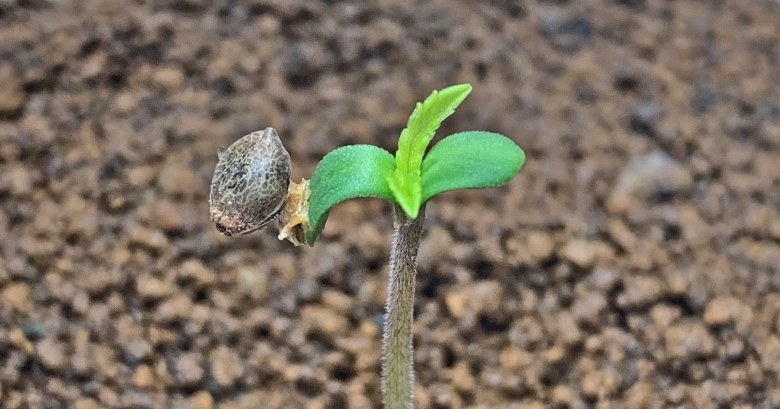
x,y
251,186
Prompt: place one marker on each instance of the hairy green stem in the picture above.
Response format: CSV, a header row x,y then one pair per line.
x,y
397,352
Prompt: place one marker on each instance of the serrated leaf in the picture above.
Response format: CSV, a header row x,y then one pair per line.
x,y
420,129
467,160
346,173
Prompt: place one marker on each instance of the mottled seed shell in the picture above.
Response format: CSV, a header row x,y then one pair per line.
x,y
250,183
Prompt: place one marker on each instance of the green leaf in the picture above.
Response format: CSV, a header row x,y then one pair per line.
x,y
423,123
466,160
345,173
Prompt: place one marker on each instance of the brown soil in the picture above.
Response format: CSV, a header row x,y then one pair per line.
x,y
634,262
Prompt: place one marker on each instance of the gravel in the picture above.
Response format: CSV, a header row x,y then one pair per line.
x,y
632,263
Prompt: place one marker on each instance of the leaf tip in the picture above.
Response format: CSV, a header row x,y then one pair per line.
x,y
464,88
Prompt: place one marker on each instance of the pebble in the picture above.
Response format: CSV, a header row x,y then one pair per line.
x,y
554,354
152,288
648,177
725,310
438,241
196,271
255,284
580,252
644,118
162,373
603,279
590,385
143,377
18,181
304,61
80,303
774,397
161,335
444,396
12,94
735,349
167,217
151,239
769,350
484,297
201,400
587,308
358,399
689,340
16,297
87,403
226,366
526,331
563,396
140,176
176,178
610,379
174,308
640,395
663,315
704,99
514,358
187,371
108,396
639,291
462,378
94,66
51,354
260,398
327,321
19,341
168,78
531,404
566,329
566,34
104,360
337,301
540,246
136,350
57,388
80,361
621,234
136,399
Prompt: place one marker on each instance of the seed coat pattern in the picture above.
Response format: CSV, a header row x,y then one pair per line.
x,y
250,183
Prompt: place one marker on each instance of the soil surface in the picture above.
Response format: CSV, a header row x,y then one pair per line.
x,y
633,263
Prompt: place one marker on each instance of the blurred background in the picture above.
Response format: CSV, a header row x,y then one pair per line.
x,y
633,263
